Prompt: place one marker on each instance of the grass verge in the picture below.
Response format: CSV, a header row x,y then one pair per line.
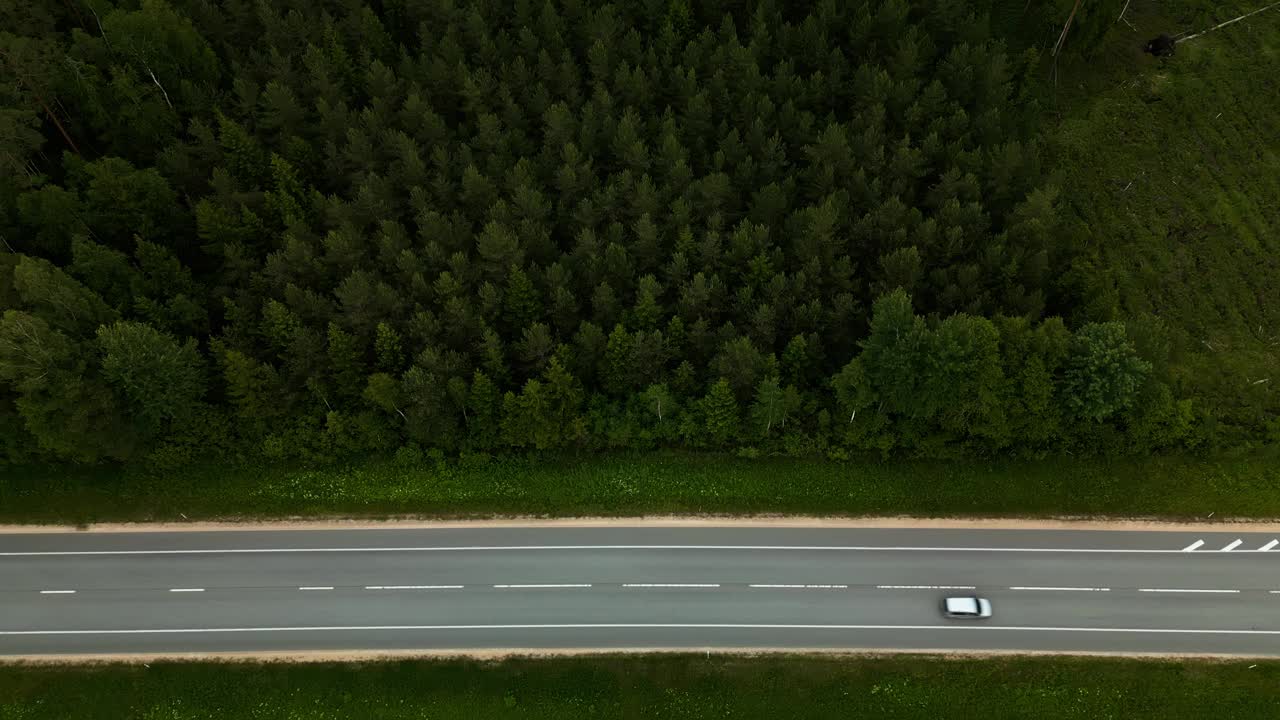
x,y
1177,487
671,687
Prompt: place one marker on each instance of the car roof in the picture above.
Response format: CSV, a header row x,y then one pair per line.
x,y
962,604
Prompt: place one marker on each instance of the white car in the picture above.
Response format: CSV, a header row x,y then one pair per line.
x,y
966,607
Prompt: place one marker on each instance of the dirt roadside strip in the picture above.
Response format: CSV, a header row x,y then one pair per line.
x,y
758,521
359,656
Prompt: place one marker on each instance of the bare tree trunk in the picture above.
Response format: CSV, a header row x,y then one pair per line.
x,y
1232,20
162,90
1066,27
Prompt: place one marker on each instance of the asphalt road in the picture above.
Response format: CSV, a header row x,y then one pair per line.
x,y
637,587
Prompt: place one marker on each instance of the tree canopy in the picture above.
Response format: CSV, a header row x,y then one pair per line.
x,y
310,229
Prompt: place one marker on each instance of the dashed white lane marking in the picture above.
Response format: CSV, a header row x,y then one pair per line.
x,y
413,587
1274,592
1193,546
800,587
1232,546
1269,545
316,587
1062,589
57,592
671,585
186,589
539,586
1184,590
645,626
925,587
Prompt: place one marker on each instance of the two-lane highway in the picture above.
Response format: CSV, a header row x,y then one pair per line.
x,y
636,587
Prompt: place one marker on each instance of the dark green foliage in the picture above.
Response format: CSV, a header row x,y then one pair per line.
x,y
545,415
1103,371
720,413
560,225
158,380
66,408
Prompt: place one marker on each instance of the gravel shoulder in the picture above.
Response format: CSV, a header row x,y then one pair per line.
x,y
346,656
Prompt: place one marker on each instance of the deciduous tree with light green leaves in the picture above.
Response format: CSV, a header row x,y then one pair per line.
x,y
159,380
896,355
1103,373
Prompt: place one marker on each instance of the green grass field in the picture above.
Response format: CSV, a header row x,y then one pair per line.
x,y
669,687
1171,169
647,483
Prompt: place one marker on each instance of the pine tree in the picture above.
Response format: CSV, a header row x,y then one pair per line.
x,y
253,387
720,413
493,356
618,371
520,300
346,364
484,403
387,348
648,310
535,347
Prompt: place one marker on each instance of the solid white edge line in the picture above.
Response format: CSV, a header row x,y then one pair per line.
x,y
1193,546
511,548
186,589
925,587
316,587
540,586
1268,546
1184,590
1232,546
1064,589
57,592
671,585
640,626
